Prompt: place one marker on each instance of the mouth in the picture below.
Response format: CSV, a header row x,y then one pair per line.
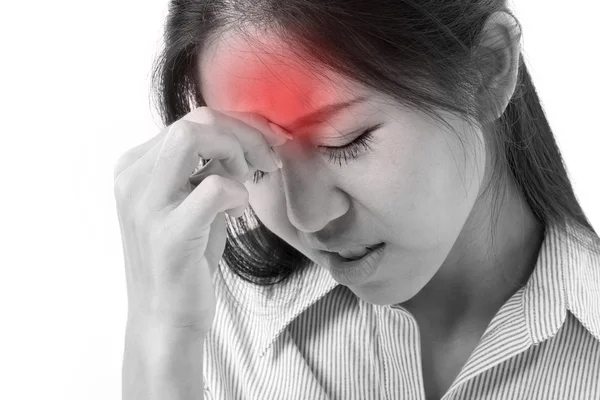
x,y
354,270
348,256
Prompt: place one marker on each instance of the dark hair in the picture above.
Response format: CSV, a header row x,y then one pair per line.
x,y
422,53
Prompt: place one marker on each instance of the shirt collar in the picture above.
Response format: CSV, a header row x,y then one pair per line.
x,y
566,277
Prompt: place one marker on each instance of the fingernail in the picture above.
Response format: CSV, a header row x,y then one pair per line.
x,y
276,158
278,130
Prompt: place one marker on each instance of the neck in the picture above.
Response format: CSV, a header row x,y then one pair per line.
x,y
480,275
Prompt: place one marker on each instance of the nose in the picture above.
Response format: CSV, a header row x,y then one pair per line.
x,y
311,194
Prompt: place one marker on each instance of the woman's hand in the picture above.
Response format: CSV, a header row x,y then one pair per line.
x,y
174,232
174,235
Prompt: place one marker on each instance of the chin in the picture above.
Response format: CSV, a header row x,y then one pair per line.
x,y
375,294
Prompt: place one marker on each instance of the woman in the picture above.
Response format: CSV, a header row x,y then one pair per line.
x,y
415,235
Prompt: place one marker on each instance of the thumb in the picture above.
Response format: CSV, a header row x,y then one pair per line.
x,y
216,243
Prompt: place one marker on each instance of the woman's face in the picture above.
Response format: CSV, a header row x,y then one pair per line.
x,y
413,187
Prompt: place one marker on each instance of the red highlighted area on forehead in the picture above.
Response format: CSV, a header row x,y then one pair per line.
x,y
287,97
289,94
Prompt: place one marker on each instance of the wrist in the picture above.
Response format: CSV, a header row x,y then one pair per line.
x,y
170,320
161,360
153,333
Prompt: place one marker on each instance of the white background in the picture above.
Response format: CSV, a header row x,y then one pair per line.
x,y
74,95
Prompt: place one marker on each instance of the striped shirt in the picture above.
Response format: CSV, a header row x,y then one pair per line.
x,y
312,338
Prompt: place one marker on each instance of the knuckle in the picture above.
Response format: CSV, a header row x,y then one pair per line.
x,y
121,164
180,131
258,146
121,188
215,185
203,114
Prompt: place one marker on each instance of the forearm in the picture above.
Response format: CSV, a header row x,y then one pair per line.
x,y
160,363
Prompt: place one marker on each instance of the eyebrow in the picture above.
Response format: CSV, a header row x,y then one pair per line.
x,y
321,115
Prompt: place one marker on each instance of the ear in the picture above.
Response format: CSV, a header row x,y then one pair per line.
x,y
498,54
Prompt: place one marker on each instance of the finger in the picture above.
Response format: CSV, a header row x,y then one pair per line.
x,y
256,145
134,154
214,167
213,195
179,154
206,133
216,246
274,134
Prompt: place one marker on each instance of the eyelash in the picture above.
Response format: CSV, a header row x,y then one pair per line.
x,y
350,150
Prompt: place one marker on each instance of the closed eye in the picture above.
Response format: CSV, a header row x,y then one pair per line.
x,y
352,149
348,151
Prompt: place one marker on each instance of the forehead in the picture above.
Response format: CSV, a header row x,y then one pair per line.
x,y
259,75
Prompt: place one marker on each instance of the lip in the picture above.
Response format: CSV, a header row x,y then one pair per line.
x,y
353,272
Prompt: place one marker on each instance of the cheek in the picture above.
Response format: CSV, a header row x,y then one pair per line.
x,y
423,185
